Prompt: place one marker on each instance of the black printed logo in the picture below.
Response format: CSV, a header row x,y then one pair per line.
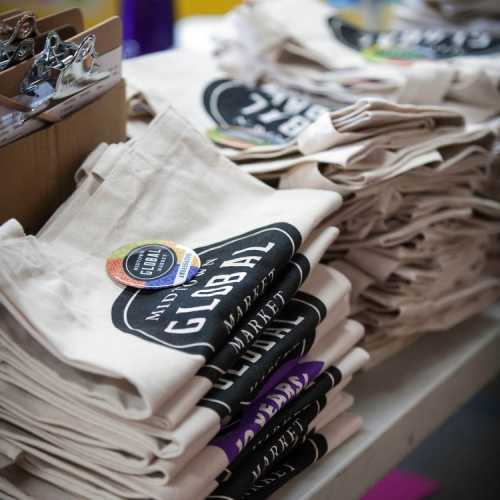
x,y
149,262
414,44
272,114
198,316
287,337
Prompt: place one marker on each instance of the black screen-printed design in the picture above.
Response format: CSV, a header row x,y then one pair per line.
x,y
315,447
274,115
415,44
323,384
269,454
252,326
199,316
289,336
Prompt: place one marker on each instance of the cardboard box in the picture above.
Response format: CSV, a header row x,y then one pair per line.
x,y
37,171
108,46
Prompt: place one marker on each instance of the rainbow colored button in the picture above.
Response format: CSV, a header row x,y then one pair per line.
x,y
153,264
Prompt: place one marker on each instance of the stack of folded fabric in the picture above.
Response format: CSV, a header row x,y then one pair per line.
x,y
266,128
208,379
419,246
306,46
420,222
419,218
419,228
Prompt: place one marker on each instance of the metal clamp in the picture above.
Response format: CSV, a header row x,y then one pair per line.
x,y
19,45
61,70
25,27
13,54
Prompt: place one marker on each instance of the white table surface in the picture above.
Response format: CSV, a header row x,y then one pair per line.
x,y
402,401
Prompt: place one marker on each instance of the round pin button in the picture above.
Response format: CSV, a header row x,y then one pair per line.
x,y
153,264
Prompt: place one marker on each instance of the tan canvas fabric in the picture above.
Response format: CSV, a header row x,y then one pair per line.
x,y
92,245
58,463
104,439
291,43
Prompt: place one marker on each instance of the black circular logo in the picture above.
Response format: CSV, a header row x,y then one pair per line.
x,y
149,262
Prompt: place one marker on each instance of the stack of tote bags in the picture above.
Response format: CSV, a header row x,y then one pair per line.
x,y
420,219
306,46
211,387
419,235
